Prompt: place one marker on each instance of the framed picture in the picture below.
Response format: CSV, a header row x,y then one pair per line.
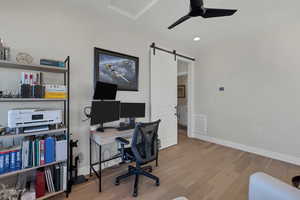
x,y
181,91
116,68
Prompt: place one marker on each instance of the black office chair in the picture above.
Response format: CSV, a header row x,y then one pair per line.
x,y
143,150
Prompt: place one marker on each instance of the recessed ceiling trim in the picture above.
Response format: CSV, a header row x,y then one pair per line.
x,y
131,16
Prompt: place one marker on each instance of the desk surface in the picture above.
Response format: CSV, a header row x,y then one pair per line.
x,y
109,135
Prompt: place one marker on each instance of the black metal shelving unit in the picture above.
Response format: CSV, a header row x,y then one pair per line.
x,y
66,103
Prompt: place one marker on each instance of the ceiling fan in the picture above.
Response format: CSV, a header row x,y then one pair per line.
x,y
197,9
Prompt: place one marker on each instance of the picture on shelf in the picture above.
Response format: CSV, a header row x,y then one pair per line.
x,y
116,68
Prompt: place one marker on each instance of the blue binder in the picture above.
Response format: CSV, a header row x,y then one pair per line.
x,y
6,161
1,162
12,158
18,159
49,150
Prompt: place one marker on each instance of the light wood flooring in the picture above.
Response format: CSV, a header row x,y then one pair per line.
x,y
194,169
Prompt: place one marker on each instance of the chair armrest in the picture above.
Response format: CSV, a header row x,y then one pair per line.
x,y
265,187
122,140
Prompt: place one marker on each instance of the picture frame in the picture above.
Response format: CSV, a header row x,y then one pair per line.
x,y
181,91
116,68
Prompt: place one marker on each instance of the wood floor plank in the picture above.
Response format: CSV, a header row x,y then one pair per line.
x,y
195,169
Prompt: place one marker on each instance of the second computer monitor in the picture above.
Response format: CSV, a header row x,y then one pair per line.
x,y
132,110
105,111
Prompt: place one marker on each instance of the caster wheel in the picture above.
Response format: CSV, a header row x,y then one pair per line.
x,y
135,194
157,183
117,182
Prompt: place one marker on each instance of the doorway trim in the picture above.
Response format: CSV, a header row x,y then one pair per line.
x,y
190,103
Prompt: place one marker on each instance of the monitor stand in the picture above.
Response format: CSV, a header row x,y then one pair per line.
x,y
102,128
132,122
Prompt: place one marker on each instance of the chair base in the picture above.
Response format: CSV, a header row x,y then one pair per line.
x,y
137,171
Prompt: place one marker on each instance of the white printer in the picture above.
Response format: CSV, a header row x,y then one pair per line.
x,y
32,117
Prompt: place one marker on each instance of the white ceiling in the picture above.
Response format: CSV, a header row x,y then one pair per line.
x,y
131,8
254,14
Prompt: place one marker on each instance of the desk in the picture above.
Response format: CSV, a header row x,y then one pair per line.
x,y
102,138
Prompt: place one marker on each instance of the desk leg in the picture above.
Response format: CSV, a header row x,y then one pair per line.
x,y
100,168
90,157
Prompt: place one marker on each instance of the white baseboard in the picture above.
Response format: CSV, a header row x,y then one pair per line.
x,y
255,150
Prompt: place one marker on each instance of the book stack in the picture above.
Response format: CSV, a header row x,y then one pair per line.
x,y
55,91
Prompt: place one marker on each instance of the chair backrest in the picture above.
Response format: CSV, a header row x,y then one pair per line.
x,y
145,142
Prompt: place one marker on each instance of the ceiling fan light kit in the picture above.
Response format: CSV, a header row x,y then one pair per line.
x,y
197,9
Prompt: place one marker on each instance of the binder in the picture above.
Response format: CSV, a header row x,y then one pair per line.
x,y
56,178
42,152
51,179
64,178
12,160
40,184
30,154
47,180
36,154
50,184
18,159
61,150
49,150
61,176
6,161
1,162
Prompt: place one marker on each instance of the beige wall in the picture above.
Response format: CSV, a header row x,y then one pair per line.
x,y
259,69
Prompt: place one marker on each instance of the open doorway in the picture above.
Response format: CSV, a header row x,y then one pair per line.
x,y
182,98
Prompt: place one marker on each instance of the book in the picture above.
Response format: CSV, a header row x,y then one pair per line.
x,y
54,63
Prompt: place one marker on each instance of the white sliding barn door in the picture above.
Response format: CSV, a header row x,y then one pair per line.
x,y
164,95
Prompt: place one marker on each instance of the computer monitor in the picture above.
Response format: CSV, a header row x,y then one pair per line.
x,y
132,110
104,111
105,91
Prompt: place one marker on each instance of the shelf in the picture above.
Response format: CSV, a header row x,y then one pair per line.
x,y
29,169
50,195
28,99
34,133
43,68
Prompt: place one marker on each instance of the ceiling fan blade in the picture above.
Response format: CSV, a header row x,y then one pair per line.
x,y
214,12
182,19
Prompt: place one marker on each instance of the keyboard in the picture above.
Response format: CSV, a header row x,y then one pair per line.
x,y
123,128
